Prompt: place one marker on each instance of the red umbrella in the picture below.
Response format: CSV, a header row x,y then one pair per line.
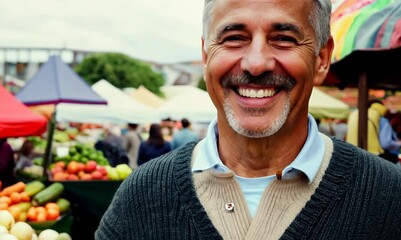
x,y
16,119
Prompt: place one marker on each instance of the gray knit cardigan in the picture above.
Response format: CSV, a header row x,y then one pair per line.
x,y
359,197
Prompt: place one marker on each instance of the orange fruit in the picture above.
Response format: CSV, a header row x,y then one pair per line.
x,y
15,198
51,205
5,199
32,214
41,209
15,211
52,213
25,197
3,206
41,217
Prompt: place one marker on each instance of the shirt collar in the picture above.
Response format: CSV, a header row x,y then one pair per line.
x,y
308,160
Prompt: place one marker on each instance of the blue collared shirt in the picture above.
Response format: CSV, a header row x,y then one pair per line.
x,y
308,162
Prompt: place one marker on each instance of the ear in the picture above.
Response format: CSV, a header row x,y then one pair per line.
x,y
204,54
323,62
204,58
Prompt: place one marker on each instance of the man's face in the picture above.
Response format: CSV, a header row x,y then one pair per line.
x,y
261,63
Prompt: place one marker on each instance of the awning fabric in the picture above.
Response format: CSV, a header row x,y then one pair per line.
x,y
16,119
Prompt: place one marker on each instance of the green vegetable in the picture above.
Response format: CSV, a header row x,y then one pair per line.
x,y
34,187
49,194
63,204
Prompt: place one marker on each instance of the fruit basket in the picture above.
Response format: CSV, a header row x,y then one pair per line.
x,y
62,224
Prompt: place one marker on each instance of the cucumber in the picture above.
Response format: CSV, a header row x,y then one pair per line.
x,y
34,187
63,204
49,194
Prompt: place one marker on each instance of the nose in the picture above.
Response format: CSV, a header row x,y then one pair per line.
x,y
258,58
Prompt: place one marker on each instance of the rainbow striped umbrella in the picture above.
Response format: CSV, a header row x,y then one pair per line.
x,y
365,25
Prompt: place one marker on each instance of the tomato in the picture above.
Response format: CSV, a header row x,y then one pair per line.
x,y
15,197
51,205
52,213
32,214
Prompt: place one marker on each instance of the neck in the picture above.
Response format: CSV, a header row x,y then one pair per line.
x,y
258,157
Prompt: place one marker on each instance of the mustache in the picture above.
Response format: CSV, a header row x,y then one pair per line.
x,y
264,79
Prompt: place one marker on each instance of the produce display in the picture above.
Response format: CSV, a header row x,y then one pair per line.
x,y
82,153
23,205
11,229
91,170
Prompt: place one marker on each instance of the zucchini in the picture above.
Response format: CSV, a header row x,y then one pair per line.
x,y
49,194
34,187
63,204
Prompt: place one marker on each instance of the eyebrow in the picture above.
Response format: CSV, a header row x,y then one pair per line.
x,y
288,27
276,26
228,28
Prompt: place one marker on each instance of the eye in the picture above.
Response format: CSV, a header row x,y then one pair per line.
x,y
233,41
284,41
233,38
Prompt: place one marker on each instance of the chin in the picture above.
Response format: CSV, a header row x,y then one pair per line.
x,y
258,128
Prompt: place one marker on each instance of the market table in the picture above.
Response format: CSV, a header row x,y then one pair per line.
x,y
89,200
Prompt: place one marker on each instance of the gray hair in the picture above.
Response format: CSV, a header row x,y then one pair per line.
x,y
319,20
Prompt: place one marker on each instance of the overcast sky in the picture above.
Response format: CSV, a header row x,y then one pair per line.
x,y
157,30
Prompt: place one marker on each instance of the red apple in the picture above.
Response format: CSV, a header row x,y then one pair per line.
x,y
81,167
72,167
72,177
56,169
60,176
90,166
102,169
96,175
86,177
60,164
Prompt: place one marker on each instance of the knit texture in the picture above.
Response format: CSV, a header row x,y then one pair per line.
x,y
359,197
280,203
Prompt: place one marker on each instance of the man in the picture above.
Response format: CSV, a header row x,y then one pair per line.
x,y
185,135
263,171
132,141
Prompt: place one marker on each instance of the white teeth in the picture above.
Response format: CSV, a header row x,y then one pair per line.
x,y
252,93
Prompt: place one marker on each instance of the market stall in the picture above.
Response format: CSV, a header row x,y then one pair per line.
x,y
368,47
120,108
17,120
56,83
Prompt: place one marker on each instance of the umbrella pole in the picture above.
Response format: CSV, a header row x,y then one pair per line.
x,y
363,106
48,153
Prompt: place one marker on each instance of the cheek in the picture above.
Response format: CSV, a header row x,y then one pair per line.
x,y
219,63
299,66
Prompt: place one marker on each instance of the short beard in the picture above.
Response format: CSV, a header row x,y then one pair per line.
x,y
277,80
272,129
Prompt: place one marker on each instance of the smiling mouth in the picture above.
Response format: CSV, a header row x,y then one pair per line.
x,y
256,93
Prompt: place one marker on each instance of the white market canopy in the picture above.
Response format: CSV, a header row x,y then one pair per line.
x,y
322,105
187,102
143,95
120,108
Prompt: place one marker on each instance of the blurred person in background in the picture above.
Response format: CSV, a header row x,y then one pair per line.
x,y
24,158
7,164
387,135
184,135
132,140
154,146
373,141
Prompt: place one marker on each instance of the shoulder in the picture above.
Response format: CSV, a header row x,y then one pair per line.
x,y
362,165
